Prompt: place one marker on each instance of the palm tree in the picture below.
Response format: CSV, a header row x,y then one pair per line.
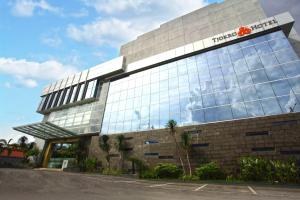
x,y
121,148
186,143
171,125
5,145
105,146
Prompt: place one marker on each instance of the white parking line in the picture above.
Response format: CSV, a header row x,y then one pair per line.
x,y
125,181
159,185
199,188
252,190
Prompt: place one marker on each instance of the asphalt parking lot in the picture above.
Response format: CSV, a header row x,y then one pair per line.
x,y
33,184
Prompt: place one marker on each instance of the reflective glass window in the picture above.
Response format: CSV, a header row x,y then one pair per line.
x,y
274,73
234,95
239,110
286,55
67,96
295,84
251,78
291,69
270,106
254,62
240,66
80,92
264,90
73,94
249,93
254,109
259,76
281,87
269,60
208,100
279,44
263,48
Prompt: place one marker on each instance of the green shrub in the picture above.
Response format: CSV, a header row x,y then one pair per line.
x,y
254,169
209,171
260,169
90,164
148,174
113,172
140,164
284,172
33,152
189,178
167,170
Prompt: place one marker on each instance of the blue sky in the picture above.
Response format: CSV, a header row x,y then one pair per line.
x,y
44,40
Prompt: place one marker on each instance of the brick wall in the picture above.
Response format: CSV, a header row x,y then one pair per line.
x,y
276,137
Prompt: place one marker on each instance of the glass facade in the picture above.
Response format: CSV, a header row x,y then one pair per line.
x,y
70,95
256,77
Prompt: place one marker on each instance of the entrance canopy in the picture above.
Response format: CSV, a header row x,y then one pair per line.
x,y
44,130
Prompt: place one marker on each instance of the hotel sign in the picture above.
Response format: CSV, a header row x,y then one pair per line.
x,y
244,30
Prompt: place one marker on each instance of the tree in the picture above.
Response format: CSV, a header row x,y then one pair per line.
x,y
105,146
4,144
186,143
23,141
171,125
121,146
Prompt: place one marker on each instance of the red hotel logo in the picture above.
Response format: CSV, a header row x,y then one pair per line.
x,y
244,31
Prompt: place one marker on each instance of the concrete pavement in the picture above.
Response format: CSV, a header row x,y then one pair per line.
x,y
44,185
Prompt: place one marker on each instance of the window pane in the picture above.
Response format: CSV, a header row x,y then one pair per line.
x,y
249,93
231,82
254,62
270,106
245,79
264,90
269,60
210,114
249,51
263,48
218,84
221,98
295,84
254,109
236,55
286,55
239,110
208,100
274,73
292,69
223,113
235,95
206,87
228,70
198,116
259,76
240,66
279,44
281,87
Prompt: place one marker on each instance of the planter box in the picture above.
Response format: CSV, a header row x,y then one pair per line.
x,y
15,153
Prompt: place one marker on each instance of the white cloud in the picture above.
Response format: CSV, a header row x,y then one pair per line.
x,y
28,73
124,20
26,8
81,13
51,39
111,31
111,6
